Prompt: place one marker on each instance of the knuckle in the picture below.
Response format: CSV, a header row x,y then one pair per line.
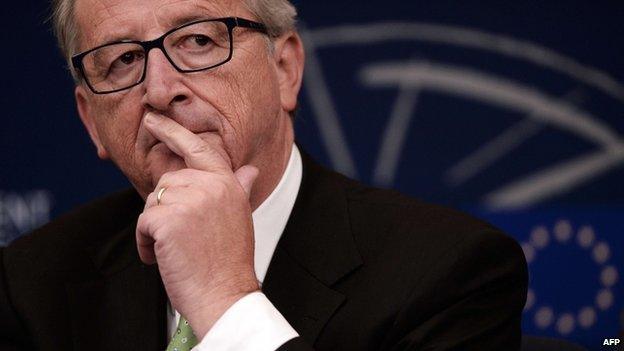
x,y
140,221
164,179
199,148
151,198
170,179
144,216
158,233
144,225
158,245
170,129
220,189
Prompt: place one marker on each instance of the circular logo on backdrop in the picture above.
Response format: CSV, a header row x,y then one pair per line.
x,y
562,234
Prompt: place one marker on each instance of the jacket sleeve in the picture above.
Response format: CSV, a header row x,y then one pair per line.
x,y
477,304
12,334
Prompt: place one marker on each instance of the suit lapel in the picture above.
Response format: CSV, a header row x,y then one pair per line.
x,y
124,306
315,251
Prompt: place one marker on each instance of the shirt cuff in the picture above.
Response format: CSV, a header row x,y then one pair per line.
x,y
251,323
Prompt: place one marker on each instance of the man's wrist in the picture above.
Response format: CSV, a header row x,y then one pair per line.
x,y
208,311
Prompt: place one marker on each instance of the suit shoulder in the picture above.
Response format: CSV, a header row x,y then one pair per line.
x,y
391,220
429,245
84,226
398,211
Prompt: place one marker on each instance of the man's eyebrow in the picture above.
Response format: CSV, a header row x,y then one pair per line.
x,y
179,21
173,23
114,38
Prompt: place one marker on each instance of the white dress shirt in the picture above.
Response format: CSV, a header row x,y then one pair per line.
x,y
253,323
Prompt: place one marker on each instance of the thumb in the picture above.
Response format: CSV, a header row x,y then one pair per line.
x,y
246,176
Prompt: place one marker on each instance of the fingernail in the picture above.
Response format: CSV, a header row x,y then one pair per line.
x,y
151,118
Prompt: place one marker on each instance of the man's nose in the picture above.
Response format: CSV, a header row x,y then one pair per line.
x,y
163,85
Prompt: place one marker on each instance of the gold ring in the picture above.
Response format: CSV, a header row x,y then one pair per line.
x,y
160,194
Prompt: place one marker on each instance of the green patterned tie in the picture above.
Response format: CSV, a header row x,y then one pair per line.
x,y
183,339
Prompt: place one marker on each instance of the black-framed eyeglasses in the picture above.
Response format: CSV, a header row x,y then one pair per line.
x,y
192,47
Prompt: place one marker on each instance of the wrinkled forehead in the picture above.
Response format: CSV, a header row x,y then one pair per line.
x,y
105,21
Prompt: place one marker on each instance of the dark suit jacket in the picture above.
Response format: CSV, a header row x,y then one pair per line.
x,y
357,268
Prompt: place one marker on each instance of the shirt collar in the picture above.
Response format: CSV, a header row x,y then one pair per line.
x,y
270,218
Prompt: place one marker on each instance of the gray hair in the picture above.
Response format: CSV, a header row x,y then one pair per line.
x,y
278,15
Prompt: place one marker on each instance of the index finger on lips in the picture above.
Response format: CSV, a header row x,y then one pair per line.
x,y
194,150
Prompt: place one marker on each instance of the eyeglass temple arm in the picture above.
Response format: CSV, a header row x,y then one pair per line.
x,y
241,22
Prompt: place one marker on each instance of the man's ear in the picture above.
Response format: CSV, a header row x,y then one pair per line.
x,y
88,119
289,58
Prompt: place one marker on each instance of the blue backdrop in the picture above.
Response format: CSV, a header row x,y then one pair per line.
x,y
510,111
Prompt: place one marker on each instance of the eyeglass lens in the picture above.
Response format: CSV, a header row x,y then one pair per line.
x,y
195,47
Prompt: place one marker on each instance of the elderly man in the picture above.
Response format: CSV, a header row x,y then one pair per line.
x,y
233,238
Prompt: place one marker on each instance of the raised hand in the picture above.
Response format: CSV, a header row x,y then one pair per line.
x,y
200,233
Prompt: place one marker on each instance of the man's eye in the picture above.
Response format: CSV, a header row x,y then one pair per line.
x,y
129,57
202,40
129,60
199,40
